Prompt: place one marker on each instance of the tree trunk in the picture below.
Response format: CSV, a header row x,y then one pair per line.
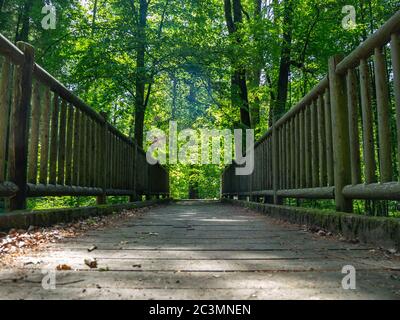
x,y
24,33
239,93
94,16
256,72
284,67
140,107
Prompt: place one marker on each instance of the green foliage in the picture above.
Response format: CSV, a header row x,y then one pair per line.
x,y
188,60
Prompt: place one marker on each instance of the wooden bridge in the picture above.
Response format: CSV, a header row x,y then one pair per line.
x,y
53,144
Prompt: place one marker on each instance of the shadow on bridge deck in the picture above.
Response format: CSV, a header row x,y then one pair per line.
x,y
205,250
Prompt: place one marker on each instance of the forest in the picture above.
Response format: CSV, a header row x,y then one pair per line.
x,y
223,64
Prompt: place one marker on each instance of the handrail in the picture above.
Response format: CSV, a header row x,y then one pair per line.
x,y
313,150
376,40
72,137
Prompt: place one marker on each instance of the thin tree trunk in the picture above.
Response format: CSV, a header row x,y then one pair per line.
x,y
140,73
284,67
239,93
94,16
24,34
256,73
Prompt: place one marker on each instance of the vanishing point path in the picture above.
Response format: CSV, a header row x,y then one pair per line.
x,y
206,250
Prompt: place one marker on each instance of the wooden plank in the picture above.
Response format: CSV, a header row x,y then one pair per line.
x,y
307,151
89,152
5,111
352,102
69,146
20,126
76,149
34,134
62,144
395,52
82,150
328,135
382,101
322,141
293,155
340,132
377,39
287,153
302,149
297,129
314,145
44,137
54,140
368,123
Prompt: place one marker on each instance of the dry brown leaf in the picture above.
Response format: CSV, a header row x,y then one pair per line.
x,y
63,267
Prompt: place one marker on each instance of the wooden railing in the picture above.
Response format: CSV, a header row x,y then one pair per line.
x,y
53,144
314,151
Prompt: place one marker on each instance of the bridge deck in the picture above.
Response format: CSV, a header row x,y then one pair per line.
x,y
206,250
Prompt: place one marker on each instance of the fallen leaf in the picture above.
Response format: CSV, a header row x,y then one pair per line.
x,y
63,267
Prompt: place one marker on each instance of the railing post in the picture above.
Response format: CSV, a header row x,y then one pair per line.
x,y
102,199
134,196
340,134
275,165
19,126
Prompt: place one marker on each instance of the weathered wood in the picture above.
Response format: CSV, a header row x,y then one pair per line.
x,y
352,102
340,133
302,149
12,53
309,193
82,150
382,102
297,119
69,146
395,51
376,40
292,155
320,87
308,146
76,149
368,124
19,128
89,152
281,164
5,112
373,191
8,189
314,145
287,151
34,134
275,164
321,142
54,140
16,93
44,137
329,141
62,144
99,158
40,190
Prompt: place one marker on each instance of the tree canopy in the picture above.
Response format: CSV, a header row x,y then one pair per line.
x,y
203,63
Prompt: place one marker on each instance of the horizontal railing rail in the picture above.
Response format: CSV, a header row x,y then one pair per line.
x,y
314,150
53,144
